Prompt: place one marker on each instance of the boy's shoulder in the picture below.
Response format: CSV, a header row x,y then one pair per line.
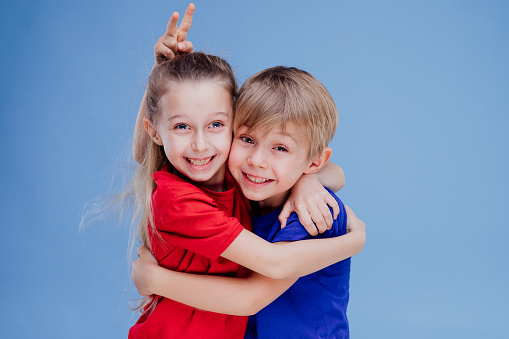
x,y
294,229
269,227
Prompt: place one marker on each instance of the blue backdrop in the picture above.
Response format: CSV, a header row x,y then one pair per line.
x,y
422,89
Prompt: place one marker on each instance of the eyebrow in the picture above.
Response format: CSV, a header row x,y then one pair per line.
x,y
287,135
179,116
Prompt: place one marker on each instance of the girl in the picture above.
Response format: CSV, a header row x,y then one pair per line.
x,y
193,210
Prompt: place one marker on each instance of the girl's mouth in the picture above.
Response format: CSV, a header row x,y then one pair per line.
x,y
199,162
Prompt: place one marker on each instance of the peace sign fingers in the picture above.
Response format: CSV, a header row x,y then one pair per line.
x,y
173,40
185,25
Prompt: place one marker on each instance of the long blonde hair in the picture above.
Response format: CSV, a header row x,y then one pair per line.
x,y
187,68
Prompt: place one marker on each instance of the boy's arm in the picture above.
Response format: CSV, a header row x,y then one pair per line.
x,y
296,259
311,201
332,176
235,296
171,43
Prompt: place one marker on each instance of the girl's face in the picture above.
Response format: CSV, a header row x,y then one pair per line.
x,y
195,129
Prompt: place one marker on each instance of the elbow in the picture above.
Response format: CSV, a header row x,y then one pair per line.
x,y
280,270
341,181
251,308
254,304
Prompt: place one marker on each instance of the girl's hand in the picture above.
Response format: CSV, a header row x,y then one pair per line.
x,y
142,269
173,40
311,201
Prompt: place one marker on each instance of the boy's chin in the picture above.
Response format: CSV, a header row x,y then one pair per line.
x,y
255,196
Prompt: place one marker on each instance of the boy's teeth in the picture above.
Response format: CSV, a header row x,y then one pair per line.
x,y
199,162
256,180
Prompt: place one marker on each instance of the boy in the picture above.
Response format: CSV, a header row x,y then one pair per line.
x,y
284,121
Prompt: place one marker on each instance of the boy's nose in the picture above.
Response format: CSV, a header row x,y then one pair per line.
x,y
257,159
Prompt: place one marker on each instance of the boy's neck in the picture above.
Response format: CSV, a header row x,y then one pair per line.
x,y
271,204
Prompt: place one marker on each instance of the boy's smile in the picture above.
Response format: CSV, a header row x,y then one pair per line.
x,y
267,165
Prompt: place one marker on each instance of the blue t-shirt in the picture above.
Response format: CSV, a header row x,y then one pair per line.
x,y
315,306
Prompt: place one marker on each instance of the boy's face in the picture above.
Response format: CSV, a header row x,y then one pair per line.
x,y
266,166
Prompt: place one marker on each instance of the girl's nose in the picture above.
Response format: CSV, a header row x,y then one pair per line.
x,y
200,142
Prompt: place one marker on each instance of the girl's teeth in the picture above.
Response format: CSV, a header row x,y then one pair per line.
x,y
199,162
256,180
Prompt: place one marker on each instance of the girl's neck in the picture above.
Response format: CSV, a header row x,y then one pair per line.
x,y
217,185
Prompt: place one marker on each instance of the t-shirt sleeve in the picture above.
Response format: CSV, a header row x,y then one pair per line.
x,y
193,221
295,231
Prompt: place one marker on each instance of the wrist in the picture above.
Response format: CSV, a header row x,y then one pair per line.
x,y
152,280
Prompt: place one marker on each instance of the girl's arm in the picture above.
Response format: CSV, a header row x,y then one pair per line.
x,y
236,296
171,43
292,260
311,201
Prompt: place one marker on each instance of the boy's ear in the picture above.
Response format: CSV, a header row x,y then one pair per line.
x,y
152,132
319,161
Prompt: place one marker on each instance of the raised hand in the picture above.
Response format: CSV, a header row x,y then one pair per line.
x,y
173,40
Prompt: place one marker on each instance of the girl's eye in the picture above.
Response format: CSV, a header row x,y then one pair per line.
x,y
280,149
181,126
216,124
247,139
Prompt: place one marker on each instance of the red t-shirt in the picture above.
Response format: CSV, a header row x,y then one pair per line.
x,y
195,226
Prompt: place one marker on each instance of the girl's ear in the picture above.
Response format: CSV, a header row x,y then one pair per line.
x,y
152,132
319,161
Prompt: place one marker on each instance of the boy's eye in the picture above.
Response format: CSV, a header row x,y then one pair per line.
x,y
281,149
216,124
181,126
247,139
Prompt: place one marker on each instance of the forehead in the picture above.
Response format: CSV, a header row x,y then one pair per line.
x,y
289,130
197,99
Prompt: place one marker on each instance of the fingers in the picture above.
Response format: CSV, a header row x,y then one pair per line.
x,y
165,51
185,25
185,47
142,251
333,204
171,27
284,215
306,221
317,217
326,214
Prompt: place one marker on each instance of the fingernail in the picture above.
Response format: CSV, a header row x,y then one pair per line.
x,y
182,46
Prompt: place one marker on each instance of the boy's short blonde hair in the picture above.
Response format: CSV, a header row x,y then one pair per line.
x,y
281,95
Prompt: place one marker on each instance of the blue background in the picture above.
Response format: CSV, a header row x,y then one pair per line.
x,y
422,89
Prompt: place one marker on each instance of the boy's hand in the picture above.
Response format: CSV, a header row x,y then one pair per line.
x,y
142,269
311,201
354,224
173,40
